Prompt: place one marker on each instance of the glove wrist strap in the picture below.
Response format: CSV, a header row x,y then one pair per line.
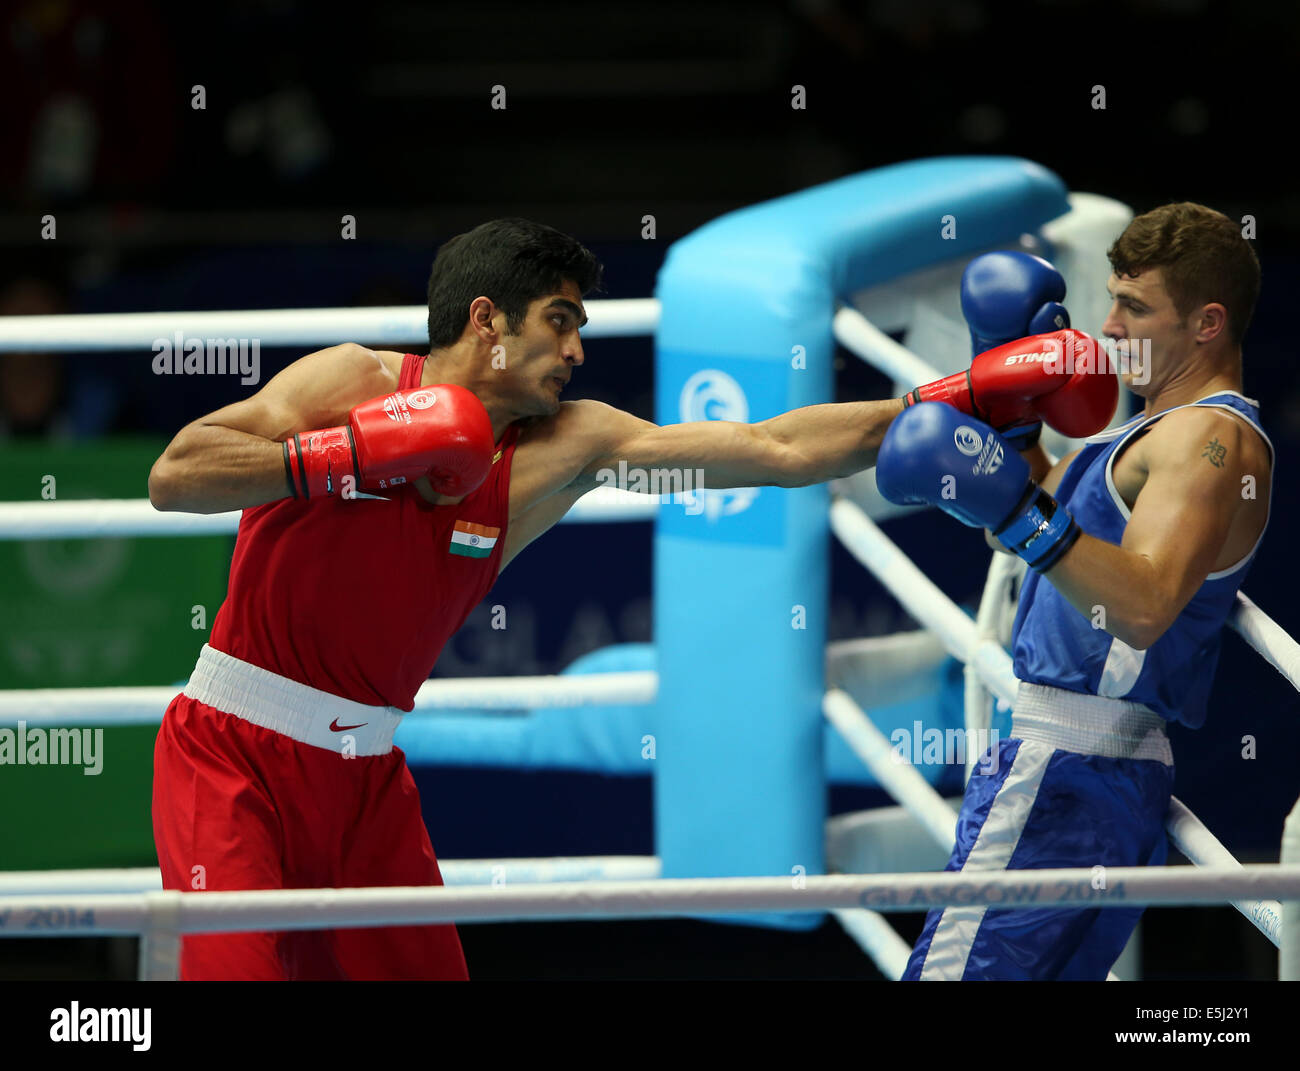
x,y
316,462
1040,530
1024,437
955,390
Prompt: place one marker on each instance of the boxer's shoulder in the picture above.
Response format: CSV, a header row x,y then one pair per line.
x,y
390,360
1197,445
555,451
583,421
1220,436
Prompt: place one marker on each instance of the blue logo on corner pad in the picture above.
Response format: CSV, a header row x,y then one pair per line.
x,y
735,515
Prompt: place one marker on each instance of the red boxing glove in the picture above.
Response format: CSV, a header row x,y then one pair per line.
x,y
1063,378
1084,405
442,432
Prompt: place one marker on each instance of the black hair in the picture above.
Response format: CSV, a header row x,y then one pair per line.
x,y
511,261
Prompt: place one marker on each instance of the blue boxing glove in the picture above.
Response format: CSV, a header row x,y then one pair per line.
x,y
1009,295
933,454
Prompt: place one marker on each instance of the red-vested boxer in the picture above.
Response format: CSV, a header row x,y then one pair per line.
x,y
275,768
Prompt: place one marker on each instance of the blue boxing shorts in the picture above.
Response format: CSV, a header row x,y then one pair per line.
x,y
1081,781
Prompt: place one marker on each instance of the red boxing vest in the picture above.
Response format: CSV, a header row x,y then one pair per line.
x,y
358,596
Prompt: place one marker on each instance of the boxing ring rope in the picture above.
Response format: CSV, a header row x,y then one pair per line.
x,y
1269,638
304,909
158,916
277,327
900,779
922,598
50,707
1203,848
864,339
454,872
868,928
95,518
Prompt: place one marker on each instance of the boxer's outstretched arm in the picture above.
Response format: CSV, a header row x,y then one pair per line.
x,y
233,458
801,447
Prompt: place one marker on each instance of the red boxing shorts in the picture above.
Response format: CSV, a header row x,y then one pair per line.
x,y
239,805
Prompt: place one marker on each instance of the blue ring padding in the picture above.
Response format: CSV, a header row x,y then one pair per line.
x,y
610,739
741,596
599,739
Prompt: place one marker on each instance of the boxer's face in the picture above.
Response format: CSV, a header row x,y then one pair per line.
x,y
1157,340
540,360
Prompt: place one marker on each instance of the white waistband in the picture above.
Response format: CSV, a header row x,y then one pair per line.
x,y
1089,724
299,711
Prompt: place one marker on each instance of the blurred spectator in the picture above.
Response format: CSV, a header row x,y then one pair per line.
x,y
49,395
82,111
33,385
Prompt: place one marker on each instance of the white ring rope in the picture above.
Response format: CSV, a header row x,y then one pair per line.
x,y
1288,959
978,702
32,883
864,339
900,779
922,598
1194,840
278,327
95,518
876,937
1269,638
50,707
305,909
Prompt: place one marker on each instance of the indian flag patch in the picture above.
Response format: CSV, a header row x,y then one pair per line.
x,y
473,540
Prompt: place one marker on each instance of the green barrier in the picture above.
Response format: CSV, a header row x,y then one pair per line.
x,y
94,613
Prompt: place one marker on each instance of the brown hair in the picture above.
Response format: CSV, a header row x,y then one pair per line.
x,y
1203,258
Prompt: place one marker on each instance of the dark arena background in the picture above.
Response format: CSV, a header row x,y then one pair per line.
x,y
169,157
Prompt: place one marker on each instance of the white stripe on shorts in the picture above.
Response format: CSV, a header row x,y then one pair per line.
x,y
950,946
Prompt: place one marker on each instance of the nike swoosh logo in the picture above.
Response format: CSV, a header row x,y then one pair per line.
x,y
335,727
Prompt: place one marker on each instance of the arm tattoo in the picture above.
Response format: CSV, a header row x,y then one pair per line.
x,y
1215,452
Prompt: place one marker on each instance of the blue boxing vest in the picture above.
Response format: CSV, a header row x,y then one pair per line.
x,y
1054,644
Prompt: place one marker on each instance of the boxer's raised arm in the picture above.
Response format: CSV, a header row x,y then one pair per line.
x,y
801,447
1178,527
233,458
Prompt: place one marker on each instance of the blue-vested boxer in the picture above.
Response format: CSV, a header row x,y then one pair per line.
x,y
1137,544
